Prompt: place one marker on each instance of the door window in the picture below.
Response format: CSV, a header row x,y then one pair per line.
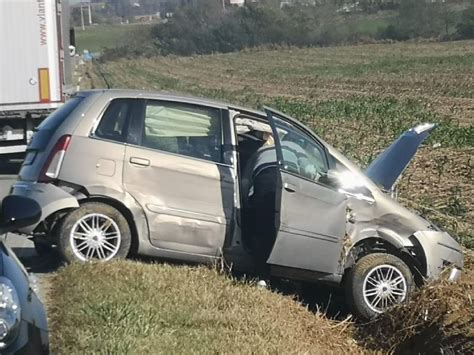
x,y
183,129
302,155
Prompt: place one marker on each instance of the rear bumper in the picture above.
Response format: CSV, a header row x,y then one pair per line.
x,y
50,198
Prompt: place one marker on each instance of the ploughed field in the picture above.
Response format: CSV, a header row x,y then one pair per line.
x,y
359,99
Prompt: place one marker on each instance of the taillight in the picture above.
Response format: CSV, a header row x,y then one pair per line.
x,y
50,170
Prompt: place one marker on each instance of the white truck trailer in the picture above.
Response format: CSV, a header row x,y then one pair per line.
x,y
35,67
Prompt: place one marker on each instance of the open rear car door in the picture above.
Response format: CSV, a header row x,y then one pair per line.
x,y
310,216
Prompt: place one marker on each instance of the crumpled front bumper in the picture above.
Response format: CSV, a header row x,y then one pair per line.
x,y
51,199
441,252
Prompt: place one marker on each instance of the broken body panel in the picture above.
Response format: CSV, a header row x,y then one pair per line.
x,y
375,215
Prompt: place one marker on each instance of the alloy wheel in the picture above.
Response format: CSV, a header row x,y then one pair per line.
x,y
95,236
384,286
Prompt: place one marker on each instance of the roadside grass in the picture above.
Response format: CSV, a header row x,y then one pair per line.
x,y
130,307
127,307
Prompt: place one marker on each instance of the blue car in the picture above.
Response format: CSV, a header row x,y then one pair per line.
x,y
23,322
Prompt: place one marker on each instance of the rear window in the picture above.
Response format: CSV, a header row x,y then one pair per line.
x,y
113,123
54,120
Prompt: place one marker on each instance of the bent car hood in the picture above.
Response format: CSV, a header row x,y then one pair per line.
x,y
390,164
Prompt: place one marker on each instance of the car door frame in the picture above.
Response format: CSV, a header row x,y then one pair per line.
x,y
281,255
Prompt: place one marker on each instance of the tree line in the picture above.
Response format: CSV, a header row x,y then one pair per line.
x,y
206,27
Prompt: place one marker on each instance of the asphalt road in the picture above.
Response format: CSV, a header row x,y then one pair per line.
x,y
5,183
20,245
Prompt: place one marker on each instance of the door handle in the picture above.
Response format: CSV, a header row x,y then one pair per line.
x,y
139,162
289,187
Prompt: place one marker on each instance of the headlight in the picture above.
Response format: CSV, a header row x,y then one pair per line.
x,y
10,312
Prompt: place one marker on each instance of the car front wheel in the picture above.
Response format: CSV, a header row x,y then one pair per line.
x,y
94,231
377,282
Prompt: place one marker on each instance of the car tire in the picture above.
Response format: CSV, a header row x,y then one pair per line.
x,y
377,282
94,231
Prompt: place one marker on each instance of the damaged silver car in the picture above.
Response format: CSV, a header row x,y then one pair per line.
x,y
119,172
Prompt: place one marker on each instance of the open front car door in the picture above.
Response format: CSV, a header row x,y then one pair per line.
x,y
310,215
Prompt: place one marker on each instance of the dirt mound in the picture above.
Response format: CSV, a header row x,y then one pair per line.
x,y
439,318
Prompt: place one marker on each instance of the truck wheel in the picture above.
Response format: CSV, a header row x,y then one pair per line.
x,y
43,249
377,282
94,231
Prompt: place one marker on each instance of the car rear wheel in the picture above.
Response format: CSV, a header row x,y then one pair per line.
x,y
94,231
376,283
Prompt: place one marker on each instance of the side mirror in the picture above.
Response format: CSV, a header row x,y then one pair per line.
x,y
18,212
330,178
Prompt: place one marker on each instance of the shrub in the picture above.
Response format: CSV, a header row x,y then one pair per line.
x,y
465,28
206,29
392,32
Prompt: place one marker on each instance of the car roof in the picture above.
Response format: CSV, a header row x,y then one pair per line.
x,y
168,95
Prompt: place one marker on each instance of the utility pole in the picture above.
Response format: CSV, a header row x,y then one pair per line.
x,y
82,19
90,14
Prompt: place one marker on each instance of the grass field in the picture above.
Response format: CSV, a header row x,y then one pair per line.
x,y
98,37
358,98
